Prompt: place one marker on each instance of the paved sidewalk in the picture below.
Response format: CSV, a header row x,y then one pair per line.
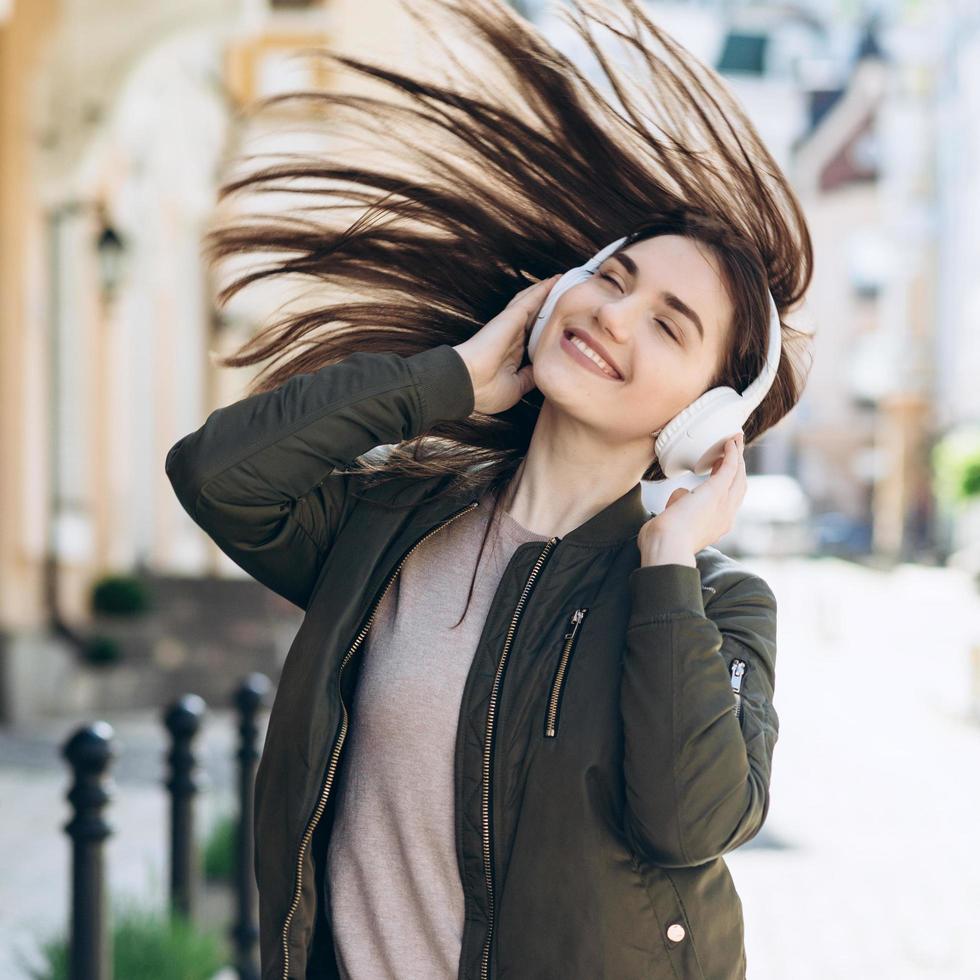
x,y
868,867
876,781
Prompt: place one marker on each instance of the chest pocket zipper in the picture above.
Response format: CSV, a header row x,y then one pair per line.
x,y
561,672
736,669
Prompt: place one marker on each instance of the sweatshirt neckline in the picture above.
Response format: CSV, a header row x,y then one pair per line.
x,y
617,521
614,525
508,524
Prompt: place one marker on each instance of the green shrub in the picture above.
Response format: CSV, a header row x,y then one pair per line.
x,y
970,482
148,945
120,595
219,849
101,650
956,465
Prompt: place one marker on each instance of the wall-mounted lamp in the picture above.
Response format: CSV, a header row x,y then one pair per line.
x,y
111,250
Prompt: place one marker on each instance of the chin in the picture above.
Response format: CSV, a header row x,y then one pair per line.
x,y
567,393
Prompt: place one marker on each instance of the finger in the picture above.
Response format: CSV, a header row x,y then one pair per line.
x,y
727,466
526,379
724,460
534,302
521,292
532,293
739,484
734,459
737,468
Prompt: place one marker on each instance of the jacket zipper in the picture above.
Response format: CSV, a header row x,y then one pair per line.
x,y
551,722
737,669
487,749
338,744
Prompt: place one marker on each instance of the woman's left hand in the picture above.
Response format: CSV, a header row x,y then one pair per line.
x,y
694,519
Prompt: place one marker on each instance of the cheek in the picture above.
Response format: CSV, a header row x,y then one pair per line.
x,y
657,392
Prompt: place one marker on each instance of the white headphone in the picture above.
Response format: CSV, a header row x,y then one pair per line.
x,y
695,437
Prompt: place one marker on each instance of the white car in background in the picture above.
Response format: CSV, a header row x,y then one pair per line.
x,y
774,519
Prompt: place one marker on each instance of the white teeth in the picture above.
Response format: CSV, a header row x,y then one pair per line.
x,y
590,353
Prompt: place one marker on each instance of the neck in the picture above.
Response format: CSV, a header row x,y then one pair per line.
x,y
568,475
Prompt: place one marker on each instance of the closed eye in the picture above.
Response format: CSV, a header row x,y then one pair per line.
x,y
605,275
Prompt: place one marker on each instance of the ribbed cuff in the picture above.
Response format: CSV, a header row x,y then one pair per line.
x,y
445,385
656,590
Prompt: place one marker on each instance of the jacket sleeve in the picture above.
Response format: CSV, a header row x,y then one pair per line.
x,y
258,477
696,773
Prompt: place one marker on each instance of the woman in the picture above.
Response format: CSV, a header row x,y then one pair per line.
x,y
527,761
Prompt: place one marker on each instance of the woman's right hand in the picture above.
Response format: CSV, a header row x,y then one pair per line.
x,y
494,353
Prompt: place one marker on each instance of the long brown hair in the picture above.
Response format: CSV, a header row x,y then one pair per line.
x,y
513,169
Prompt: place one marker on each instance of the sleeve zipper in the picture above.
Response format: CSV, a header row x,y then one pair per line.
x,y
736,669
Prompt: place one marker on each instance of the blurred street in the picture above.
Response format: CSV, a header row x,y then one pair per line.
x,y
868,866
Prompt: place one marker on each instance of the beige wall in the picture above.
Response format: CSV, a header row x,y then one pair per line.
x,y
23,399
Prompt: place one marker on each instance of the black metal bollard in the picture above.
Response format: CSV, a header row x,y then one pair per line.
x,y
183,721
89,752
249,697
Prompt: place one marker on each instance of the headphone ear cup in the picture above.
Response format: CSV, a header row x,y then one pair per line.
x,y
698,431
570,278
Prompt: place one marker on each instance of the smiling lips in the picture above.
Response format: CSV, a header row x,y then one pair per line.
x,y
581,347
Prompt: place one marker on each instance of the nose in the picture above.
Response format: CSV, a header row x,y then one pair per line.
x,y
613,318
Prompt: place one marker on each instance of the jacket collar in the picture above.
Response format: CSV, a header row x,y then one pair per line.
x,y
615,523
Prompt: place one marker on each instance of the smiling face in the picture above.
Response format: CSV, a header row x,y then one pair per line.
x,y
659,315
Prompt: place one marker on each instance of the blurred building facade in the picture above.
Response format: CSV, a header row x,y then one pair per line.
x,y
871,117
117,124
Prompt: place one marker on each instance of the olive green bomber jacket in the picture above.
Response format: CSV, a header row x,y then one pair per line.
x,y
616,730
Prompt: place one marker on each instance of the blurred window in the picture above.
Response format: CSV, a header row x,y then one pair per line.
x,y
743,53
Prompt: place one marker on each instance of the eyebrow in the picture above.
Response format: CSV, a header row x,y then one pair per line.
x,y
669,298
